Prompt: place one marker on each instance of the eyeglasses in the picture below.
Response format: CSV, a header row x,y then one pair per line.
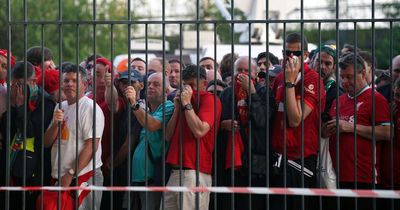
x,y
296,53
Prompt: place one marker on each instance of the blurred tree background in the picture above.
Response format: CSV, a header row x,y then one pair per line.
x,y
77,10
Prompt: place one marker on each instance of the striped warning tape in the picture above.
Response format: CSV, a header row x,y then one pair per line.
x,y
245,190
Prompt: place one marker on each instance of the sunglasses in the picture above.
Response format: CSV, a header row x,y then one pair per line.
x,y
296,53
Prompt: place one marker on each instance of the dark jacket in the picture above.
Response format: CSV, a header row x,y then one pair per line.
x,y
34,129
261,114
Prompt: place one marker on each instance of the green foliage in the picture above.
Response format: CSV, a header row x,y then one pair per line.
x,y
77,10
364,41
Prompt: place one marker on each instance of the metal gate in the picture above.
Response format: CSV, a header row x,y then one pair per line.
x,y
226,189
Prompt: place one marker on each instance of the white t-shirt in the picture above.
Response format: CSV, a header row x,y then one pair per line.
x,y
85,131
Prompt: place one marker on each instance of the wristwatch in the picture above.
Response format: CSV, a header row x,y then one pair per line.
x,y
71,172
135,107
188,107
289,84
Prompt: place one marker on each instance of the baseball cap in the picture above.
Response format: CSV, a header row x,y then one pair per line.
x,y
135,75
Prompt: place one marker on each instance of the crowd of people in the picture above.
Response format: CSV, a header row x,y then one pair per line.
x,y
243,121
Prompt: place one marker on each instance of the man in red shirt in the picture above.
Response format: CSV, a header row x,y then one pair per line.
x,y
287,133
194,106
358,100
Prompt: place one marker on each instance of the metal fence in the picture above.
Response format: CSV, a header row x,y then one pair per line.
x,y
230,187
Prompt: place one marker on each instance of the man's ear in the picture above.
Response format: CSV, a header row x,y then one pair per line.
x,y
141,85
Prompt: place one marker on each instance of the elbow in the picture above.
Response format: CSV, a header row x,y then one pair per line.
x,y
199,134
294,124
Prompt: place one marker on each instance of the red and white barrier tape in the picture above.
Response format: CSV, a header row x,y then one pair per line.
x,y
245,190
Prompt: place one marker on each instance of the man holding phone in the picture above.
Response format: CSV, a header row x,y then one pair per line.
x,y
288,133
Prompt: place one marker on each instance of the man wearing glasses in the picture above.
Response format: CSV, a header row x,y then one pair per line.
x,y
288,133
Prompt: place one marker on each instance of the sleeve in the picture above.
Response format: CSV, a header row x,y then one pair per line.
x,y
169,108
206,110
382,110
87,121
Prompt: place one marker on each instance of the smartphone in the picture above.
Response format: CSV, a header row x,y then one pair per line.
x,y
325,117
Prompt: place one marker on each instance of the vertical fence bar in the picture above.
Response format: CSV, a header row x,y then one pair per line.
x,y
373,101
354,108
8,129
215,117
180,119
25,91
198,100
146,143
129,172
112,108
233,106
77,113
267,130
42,128
164,74
302,97
319,111
284,119
337,102
249,106
391,116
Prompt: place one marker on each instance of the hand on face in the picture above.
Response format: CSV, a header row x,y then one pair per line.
x,y
186,94
244,80
107,79
17,94
293,66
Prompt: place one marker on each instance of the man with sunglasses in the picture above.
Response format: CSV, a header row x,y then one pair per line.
x,y
295,108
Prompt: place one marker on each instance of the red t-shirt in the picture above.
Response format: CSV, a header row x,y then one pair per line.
x,y
293,135
386,167
365,167
206,114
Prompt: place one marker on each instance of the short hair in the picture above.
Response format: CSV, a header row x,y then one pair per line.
x,y
217,83
351,48
18,72
368,58
191,71
69,67
206,58
176,61
227,63
296,38
350,59
34,55
138,59
271,57
252,63
93,57
166,81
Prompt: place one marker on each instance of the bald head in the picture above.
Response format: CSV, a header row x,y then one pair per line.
x,y
242,66
396,67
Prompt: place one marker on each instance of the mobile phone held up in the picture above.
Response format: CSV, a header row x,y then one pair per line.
x,y
325,117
